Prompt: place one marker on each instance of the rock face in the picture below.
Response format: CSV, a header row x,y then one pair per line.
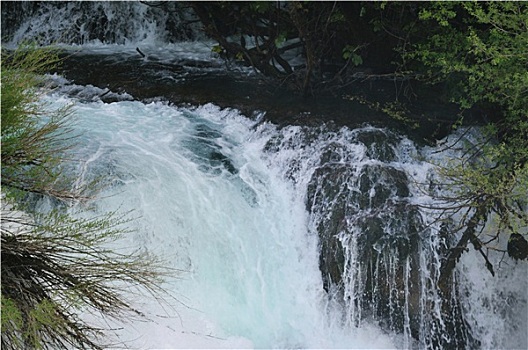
x,y
375,247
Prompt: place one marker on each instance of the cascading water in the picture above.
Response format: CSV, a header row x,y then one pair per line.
x,y
214,205
293,237
91,22
297,237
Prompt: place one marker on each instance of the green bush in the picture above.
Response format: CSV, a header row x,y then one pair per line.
x,y
480,48
55,263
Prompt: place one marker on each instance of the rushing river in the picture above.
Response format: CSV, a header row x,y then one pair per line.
x,y
299,235
218,208
223,199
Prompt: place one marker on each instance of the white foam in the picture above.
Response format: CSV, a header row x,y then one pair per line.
x,y
251,267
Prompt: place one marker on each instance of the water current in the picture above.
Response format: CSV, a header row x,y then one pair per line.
x,y
219,209
222,198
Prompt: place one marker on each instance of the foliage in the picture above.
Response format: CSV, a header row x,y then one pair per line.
x,y
482,188
56,263
266,35
477,50
30,143
54,266
483,46
393,109
349,52
481,50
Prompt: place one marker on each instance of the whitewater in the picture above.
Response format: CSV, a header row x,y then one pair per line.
x,y
213,200
230,223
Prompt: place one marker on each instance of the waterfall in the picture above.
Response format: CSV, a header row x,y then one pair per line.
x,y
212,204
292,237
284,237
101,22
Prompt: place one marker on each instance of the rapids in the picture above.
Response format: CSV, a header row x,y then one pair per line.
x,y
223,199
219,209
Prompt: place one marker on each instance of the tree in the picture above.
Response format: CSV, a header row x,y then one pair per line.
x,y
480,50
55,263
266,35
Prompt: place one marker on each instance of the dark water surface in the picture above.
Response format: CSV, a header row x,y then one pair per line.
x,y
199,82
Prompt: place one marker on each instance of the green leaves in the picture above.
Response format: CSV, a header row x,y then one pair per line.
x,y
261,6
281,38
33,137
349,53
11,316
489,50
217,49
481,50
442,13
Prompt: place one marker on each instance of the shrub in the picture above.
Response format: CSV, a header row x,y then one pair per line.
x,y
56,263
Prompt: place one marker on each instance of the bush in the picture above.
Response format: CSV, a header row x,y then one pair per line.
x,y
55,263
480,49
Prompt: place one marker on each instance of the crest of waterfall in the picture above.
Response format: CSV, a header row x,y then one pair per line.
x,y
292,237
95,22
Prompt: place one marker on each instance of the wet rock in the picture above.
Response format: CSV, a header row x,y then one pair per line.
x,y
517,247
380,183
368,229
345,200
380,145
329,201
334,153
